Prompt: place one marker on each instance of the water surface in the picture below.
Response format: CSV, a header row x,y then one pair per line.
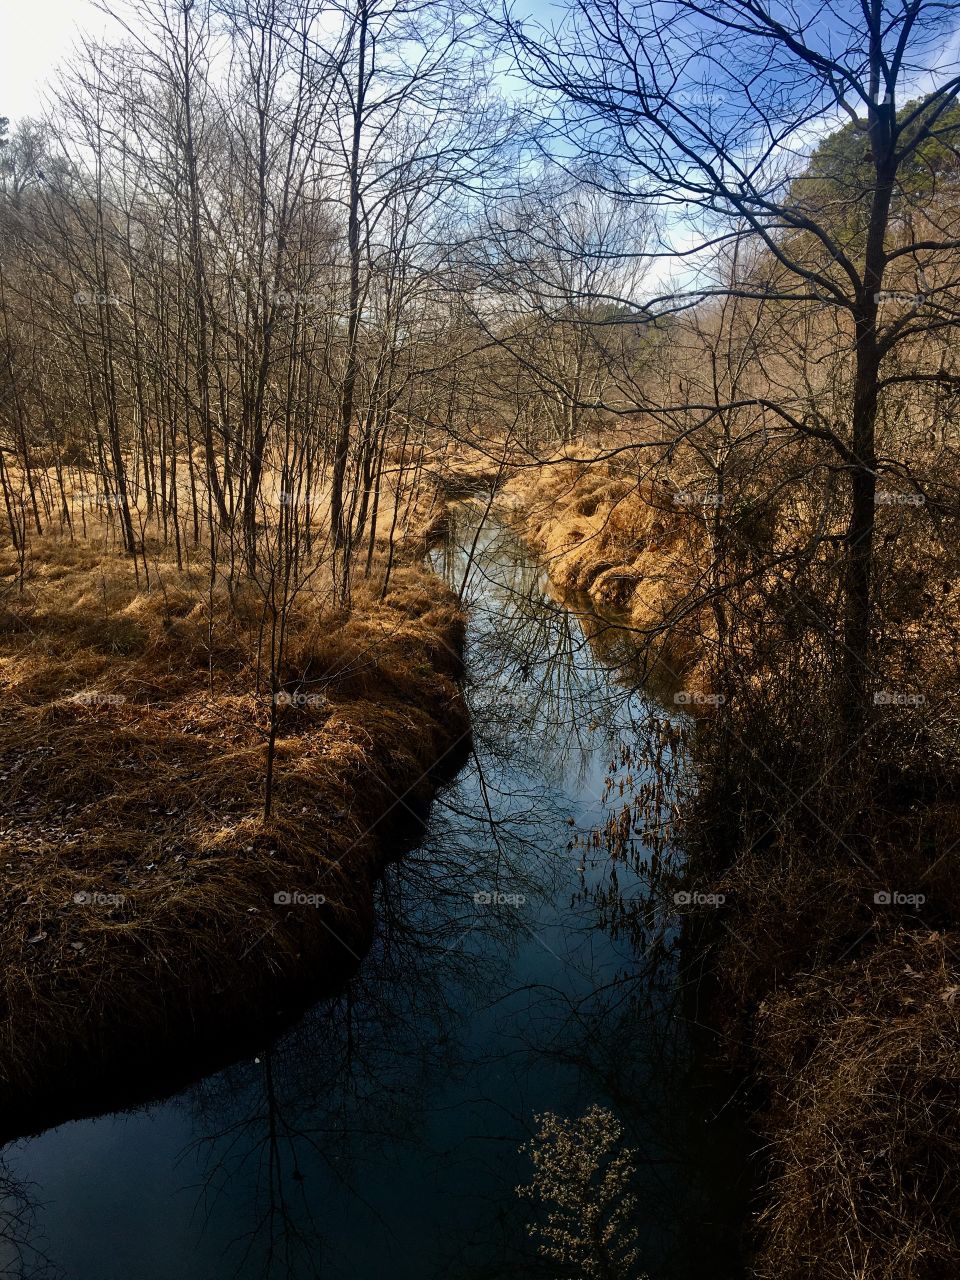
x,y
526,960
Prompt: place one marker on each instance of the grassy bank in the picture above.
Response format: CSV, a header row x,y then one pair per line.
x,y
835,953
629,547
836,963
150,911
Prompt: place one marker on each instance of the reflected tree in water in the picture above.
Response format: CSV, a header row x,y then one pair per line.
x,y
527,959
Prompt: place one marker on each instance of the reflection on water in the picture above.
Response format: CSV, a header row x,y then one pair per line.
x,y
524,962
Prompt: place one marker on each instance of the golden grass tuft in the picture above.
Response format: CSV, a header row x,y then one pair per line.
x,y
624,544
139,912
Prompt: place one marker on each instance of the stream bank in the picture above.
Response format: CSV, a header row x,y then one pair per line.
x,y
154,920
525,959
831,930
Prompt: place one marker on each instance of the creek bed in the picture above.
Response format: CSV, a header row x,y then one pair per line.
x,y
522,964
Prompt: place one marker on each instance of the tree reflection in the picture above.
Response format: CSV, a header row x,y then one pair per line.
x,y
469,1007
21,1254
526,959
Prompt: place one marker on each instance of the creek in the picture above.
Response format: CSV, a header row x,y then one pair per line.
x,y
528,958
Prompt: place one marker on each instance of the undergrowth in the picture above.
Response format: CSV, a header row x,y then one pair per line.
x,y
139,895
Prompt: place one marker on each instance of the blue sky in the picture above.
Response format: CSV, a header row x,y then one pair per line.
x,y
37,35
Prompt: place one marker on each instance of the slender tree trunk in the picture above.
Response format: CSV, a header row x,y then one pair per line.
x,y
863,480
338,522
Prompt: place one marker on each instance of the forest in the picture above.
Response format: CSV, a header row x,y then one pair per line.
x,y
403,405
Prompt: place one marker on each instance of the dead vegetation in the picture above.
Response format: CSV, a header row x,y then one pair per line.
x,y
864,1123
837,967
835,957
625,544
141,878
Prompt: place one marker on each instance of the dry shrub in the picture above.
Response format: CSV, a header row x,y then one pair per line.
x,y
582,1183
143,795
865,1123
839,1015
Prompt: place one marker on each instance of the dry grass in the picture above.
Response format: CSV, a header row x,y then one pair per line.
x,y
625,545
839,1004
140,876
864,1123
842,1011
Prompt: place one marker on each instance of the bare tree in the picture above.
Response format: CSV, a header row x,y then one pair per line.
x,y
709,109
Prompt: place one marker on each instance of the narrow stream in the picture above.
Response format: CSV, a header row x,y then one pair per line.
x,y
519,967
